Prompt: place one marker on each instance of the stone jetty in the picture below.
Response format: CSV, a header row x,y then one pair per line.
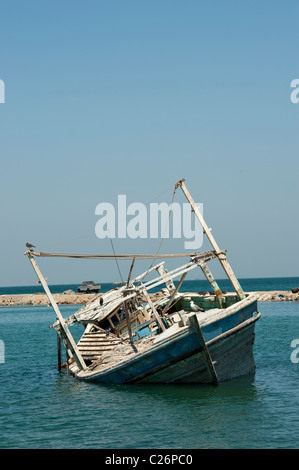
x,y
41,299
73,298
278,296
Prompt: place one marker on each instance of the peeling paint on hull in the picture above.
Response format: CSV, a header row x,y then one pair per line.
x,y
180,358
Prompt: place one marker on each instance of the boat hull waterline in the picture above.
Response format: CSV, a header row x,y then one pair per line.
x,y
180,357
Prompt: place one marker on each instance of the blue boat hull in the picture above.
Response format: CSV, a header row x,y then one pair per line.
x,y
181,358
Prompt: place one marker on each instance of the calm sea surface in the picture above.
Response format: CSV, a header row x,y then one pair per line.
x,y
41,408
257,284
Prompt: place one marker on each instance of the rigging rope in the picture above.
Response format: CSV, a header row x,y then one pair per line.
x,y
116,260
163,235
44,254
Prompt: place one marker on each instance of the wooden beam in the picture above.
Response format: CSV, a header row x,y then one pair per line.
x,y
166,278
156,315
141,276
59,351
211,369
210,278
127,312
70,340
170,301
130,272
221,256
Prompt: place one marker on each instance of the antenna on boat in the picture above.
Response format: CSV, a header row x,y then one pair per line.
x,y
221,255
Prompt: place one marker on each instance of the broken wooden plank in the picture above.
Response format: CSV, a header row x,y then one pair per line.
x,y
210,366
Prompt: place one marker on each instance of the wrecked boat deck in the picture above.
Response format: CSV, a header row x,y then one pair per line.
x,y
179,354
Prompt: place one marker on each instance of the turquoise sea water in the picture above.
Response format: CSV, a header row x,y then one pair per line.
x,y
248,284
42,408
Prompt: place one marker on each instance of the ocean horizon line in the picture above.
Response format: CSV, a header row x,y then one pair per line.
x,y
186,280
248,283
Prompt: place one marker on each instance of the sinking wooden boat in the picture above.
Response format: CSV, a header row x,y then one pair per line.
x,y
134,336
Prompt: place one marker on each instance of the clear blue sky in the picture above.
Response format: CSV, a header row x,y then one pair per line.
x,y
127,97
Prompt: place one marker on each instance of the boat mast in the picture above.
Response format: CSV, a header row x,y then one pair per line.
x,y
220,254
64,328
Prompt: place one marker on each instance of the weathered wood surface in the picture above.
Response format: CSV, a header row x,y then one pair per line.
x,y
180,357
92,345
206,354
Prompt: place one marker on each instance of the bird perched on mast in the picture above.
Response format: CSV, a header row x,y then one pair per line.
x,y
30,246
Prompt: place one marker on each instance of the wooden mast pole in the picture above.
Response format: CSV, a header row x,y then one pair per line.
x,y
209,276
70,340
59,351
170,301
220,254
156,315
127,311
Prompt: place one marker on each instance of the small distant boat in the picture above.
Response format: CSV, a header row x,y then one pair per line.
x,y
89,287
132,336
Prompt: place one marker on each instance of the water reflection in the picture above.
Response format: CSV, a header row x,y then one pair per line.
x,y
241,388
192,398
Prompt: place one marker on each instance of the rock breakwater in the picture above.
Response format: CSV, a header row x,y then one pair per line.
x,y
73,298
